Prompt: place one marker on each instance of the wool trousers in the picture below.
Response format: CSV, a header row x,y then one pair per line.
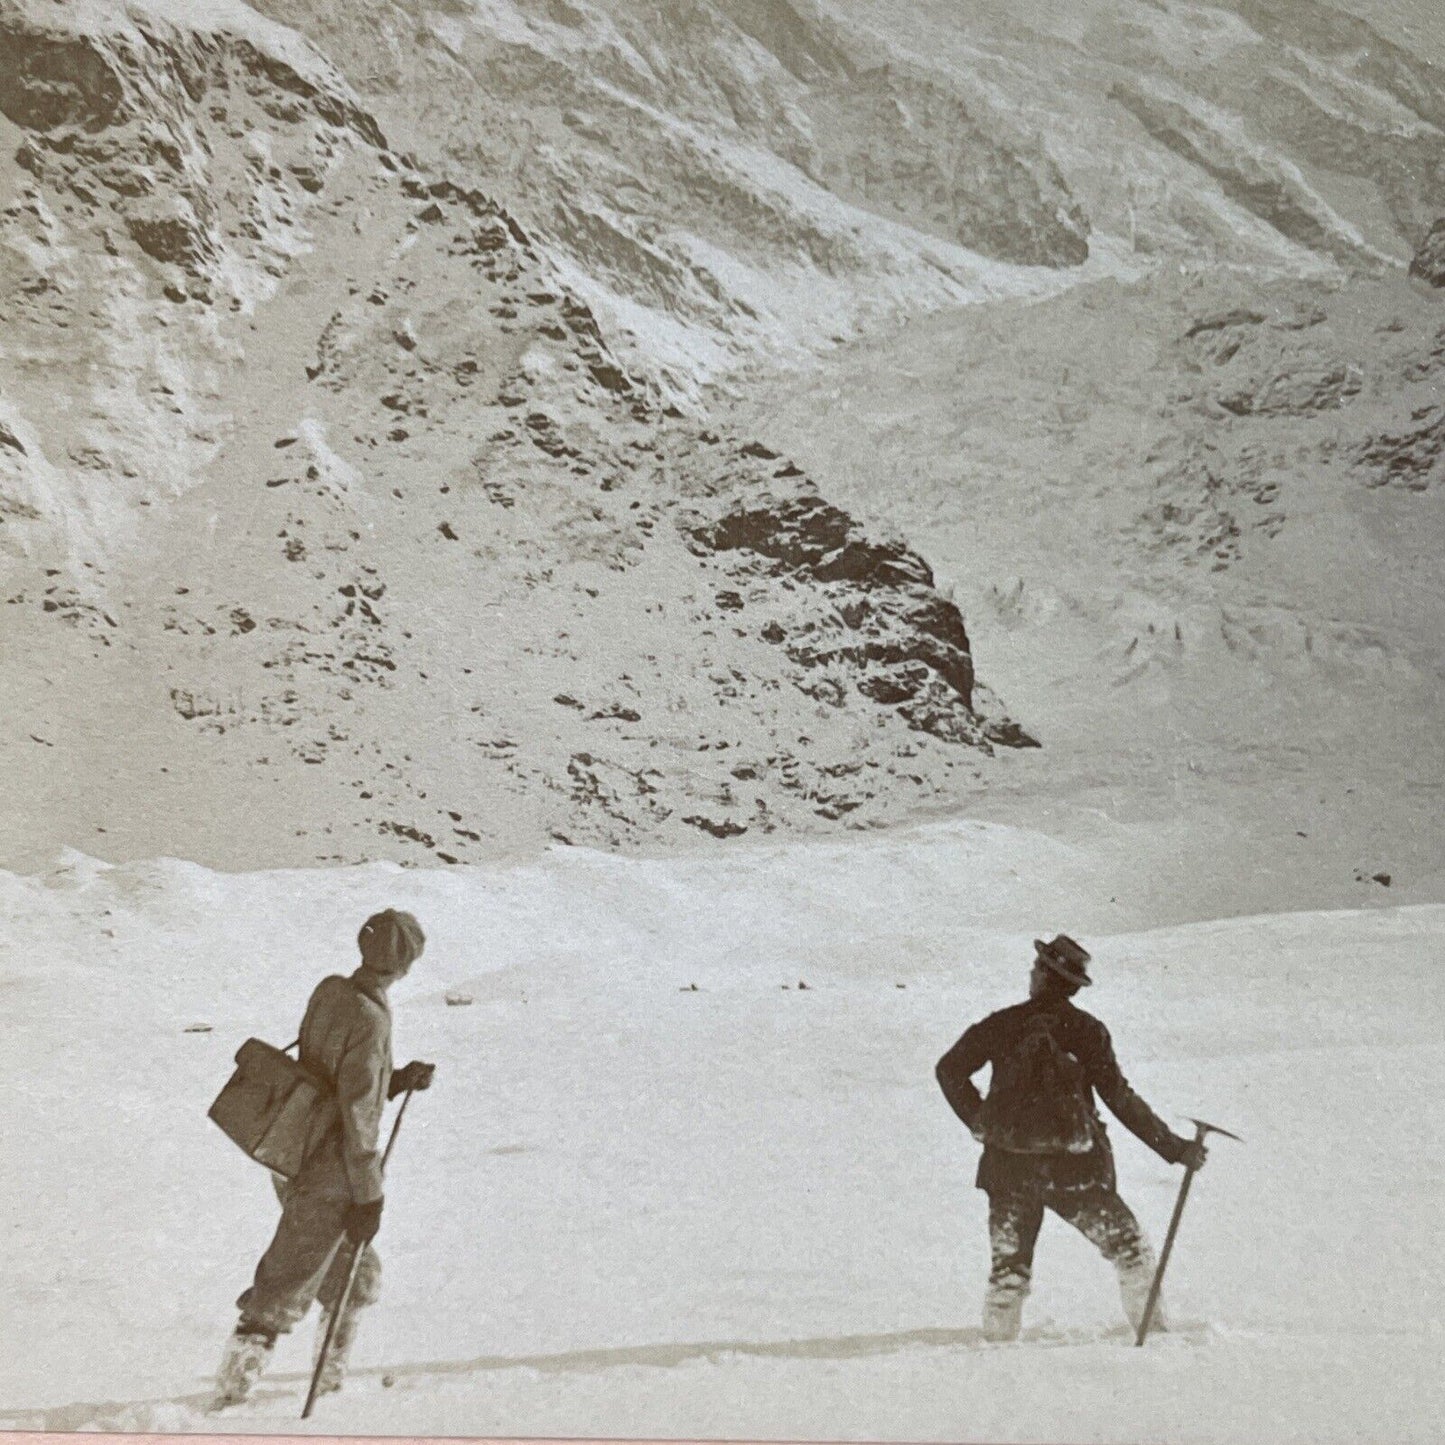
x,y
1015,1216
307,1259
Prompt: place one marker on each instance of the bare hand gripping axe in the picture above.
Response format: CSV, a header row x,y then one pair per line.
x,y
1200,1130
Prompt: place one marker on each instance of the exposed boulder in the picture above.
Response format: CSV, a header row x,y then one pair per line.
x,y
871,621
1302,389
1411,458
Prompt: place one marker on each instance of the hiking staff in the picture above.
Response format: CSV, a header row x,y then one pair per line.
x,y
1200,1130
351,1268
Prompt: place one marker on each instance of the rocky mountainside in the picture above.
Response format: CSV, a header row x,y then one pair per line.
x,y
730,177
1195,525
431,430
334,527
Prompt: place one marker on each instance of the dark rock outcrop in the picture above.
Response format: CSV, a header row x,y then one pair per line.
x,y
1297,392
114,119
808,534
1410,458
49,81
872,620
1429,262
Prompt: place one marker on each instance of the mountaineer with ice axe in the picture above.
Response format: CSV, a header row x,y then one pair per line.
x,y
1044,1144
334,1198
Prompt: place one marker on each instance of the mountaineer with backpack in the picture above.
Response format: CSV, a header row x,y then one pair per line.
x,y
1044,1144
325,1157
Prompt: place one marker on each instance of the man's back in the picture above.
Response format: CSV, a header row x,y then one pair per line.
x,y
342,1016
1081,1035
346,1041
1076,1031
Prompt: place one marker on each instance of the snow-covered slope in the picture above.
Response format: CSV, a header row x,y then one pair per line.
x,y
334,527
631,1208
157,167
1195,525
732,176
347,506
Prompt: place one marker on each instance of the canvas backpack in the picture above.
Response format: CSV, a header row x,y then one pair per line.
x,y
272,1107
1038,1098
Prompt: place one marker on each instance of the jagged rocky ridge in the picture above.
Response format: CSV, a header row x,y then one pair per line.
x,y
720,178
733,177
334,528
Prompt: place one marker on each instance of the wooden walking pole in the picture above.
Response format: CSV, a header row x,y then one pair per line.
x,y
1200,1130
351,1270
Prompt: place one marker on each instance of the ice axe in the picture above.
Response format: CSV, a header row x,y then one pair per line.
x,y
325,1352
1200,1130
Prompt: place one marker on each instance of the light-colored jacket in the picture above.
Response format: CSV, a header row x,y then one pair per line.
x,y
346,1042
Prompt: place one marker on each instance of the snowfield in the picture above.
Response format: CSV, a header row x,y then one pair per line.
x,y
631,1208
346,514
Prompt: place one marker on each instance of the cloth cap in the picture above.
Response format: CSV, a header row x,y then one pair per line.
x,y
390,941
1067,959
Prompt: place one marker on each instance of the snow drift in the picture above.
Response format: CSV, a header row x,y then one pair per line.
x,y
632,1207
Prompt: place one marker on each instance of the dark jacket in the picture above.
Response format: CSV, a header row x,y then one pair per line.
x,y
1083,1036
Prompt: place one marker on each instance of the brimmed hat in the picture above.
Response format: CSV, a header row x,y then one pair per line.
x,y
1067,959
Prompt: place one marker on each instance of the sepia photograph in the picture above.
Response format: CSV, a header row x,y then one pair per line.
x,y
723,719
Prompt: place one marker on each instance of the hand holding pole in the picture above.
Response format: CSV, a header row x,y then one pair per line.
x,y
1200,1130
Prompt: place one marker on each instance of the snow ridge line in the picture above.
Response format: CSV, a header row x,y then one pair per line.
x,y
131,1415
